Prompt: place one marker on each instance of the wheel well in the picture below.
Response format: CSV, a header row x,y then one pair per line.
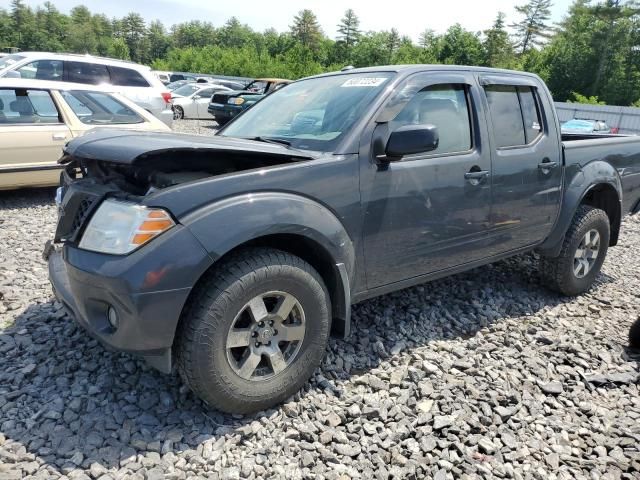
x,y
311,252
605,197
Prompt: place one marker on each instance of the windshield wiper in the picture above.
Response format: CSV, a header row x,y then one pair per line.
x,y
278,141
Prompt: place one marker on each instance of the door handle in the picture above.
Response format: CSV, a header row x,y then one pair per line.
x,y
547,165
479,175
59,136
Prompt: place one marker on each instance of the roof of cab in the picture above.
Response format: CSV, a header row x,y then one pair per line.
x,y
414,68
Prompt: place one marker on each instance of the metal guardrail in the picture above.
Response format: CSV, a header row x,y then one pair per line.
x,y
626,119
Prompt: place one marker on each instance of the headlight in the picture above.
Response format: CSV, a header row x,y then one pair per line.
x,y
236,101
120,227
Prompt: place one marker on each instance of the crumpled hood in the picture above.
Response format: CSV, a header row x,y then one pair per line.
x,y
128,146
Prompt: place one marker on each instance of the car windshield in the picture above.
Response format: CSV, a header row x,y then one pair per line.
x,y
9,60
188,89
312,114
96,108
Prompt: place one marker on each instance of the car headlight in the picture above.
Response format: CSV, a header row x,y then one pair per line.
x,y
119,227
236,101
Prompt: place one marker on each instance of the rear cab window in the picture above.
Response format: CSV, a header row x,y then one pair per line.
x,y
42,70
97,108
21,106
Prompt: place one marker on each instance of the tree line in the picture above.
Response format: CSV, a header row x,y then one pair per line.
x,y
592,55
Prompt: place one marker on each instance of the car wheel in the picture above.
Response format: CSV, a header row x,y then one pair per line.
x,y
178,113
256,329
583,252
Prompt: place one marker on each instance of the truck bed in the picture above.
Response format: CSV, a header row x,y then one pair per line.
x,y
622,152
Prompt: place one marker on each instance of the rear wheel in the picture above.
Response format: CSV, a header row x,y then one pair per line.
x,y
178,113
583,252
256,330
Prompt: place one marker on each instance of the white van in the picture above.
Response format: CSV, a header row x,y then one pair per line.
x,y
134,81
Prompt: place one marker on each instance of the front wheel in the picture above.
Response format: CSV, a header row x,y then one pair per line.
x,y
583,252
257,328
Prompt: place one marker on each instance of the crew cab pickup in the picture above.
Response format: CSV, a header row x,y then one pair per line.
x,y
234,257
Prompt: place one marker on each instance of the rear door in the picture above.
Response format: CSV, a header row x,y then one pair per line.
x,y
429,211
32,135
526,159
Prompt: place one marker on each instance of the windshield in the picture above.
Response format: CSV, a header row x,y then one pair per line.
x,y
188,89
311,114
9,60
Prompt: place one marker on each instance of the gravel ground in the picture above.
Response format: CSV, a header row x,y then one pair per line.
x,y
482,375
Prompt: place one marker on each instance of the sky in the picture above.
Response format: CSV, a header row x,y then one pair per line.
x,y
410,17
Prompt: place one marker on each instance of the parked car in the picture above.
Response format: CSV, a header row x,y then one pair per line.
x,y
162,76
335,189
191,100
226,105
177,76
136,82
579,126
38,117
177,84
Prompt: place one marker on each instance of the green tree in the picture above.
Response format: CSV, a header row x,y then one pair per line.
x,y
119,49
134,33
579,98
533,28
306,30
498,50
460,47
158,40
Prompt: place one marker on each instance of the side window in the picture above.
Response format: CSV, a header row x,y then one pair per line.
x,y
42,70
530,113
87,73
206,93
127,77
444,106
20,106
96,108
515,115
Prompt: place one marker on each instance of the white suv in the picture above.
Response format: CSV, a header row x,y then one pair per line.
x,y
136,82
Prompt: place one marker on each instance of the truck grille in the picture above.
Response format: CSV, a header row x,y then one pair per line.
x,y
80,199
220,98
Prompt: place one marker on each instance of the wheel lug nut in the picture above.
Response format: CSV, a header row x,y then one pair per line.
x,y
268,343
258,344
271,322
254,334
261,324
275,332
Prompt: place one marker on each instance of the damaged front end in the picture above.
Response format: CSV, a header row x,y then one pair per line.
x,y
130,165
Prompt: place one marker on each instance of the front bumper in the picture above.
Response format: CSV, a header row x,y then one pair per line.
x,y
224,111
147,289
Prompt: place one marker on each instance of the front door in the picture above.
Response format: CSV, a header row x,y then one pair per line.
x,y
527,173
430,211
32,135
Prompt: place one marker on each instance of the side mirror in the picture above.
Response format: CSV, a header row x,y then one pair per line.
x,y
13,74
410,139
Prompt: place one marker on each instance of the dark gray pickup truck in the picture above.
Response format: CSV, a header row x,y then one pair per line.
x,y
234,257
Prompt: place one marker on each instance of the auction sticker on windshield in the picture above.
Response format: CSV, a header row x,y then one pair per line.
x,y
364,82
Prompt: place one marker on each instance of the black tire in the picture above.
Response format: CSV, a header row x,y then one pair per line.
x,y
215,307
222,121
178,113
558,272
634,334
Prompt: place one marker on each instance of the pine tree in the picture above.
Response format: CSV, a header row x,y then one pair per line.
x,y
497,46
306,29
534,26
348,28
